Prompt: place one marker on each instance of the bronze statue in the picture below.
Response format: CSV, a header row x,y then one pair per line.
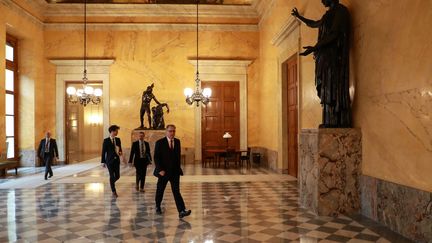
x,y
147,97
331,54
158,119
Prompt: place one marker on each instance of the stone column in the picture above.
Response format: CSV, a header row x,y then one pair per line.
x,y
329,170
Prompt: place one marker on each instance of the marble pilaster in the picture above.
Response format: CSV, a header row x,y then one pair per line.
x,y
329,170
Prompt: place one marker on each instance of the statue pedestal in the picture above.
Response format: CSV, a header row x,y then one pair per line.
x,y
329,170
151,136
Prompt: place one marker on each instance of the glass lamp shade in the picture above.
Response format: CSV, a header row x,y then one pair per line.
x,y
227,135
79,92
207,92
98,92
188,92
89,90
71,90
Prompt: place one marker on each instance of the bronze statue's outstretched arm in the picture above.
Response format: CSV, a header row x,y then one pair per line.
x,y
157,102
309,22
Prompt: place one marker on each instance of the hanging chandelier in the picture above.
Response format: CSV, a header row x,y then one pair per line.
x,y
198,95
87,94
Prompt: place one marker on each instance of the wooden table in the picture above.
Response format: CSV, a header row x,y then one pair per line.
x,y
220,153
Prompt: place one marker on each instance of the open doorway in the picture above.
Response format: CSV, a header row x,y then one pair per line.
x,y
84,128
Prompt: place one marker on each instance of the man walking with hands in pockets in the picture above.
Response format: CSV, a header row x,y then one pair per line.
x,y
111,152
140,156
167,169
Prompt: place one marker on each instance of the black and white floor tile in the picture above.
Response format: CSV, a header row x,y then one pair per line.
x,y
81,209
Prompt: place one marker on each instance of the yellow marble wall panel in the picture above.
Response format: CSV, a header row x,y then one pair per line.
x,y
145,57
391,52
29,33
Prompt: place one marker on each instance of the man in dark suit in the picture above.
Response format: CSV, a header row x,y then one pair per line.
x,y
167,169
47,151
111,152
140,155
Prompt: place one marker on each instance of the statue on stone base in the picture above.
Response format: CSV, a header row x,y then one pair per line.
x,y
158,116
147,97
331,54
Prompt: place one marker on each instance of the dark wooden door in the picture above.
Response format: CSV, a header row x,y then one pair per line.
x,y
292,83
222,114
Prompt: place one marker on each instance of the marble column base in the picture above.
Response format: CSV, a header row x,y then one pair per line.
x,y
329,170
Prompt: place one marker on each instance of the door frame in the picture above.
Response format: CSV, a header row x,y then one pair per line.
x,y
288,43
286,107
222,71
72,70
66,142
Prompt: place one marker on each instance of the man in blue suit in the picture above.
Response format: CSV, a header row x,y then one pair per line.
x,y
111,152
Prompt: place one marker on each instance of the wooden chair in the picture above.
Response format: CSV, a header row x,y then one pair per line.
x,y
230,156
245,157
208,158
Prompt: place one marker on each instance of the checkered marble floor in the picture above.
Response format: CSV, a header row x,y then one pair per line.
x,y
230,211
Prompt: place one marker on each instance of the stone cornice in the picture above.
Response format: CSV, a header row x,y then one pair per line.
x,y
234,67
12,6
152,10
154,27
262,7
138,10
289,26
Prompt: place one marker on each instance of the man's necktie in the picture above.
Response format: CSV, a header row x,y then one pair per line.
x,y
142,149
171,144
47,146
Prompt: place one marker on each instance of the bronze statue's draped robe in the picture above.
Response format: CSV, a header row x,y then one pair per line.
x,y
332,67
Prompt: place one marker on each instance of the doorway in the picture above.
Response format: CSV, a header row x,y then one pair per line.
x,y
290,74
220,115
84,127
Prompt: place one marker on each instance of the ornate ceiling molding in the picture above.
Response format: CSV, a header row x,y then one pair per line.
x,y
289,26
154,27
232,12
12,6
152,10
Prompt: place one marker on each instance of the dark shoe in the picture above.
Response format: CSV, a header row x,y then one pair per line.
x,y
114,195
136,188
158,211
46,178
184,213
142,190
50,176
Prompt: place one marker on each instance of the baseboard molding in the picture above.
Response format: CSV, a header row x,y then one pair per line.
x,y
405,210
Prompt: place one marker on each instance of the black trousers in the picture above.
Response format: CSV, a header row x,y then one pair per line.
x,y
175,188
48,162
141,171
114,172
